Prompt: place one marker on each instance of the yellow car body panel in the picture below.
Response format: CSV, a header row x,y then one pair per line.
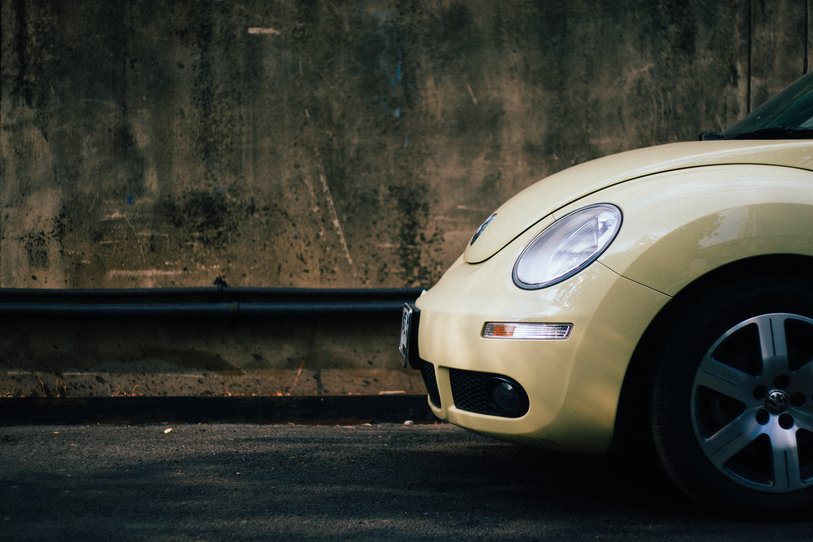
x,y
575,417
687,209
680,225
552,193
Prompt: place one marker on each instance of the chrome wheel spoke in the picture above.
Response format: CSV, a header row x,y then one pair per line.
x,y
724,379
803,378
773,344
787,474
804,419
732,438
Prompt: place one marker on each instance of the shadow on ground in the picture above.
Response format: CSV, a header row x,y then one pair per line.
x,y
382,482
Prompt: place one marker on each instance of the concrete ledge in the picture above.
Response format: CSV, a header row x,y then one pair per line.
x,y
236,383
328,410
184,357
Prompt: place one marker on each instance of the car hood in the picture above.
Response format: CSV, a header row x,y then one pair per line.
x,y
552,193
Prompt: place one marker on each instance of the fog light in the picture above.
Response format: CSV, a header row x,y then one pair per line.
x,y
507,396
526,330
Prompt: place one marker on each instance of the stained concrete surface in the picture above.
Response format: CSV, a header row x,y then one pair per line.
x,y
378,482
315,143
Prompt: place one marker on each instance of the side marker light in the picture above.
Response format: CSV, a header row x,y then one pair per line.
x,y
526,330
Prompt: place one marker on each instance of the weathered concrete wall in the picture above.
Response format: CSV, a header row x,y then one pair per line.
x,y
319,143
92,357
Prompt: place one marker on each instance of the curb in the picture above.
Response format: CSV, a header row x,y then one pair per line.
x,y
327,410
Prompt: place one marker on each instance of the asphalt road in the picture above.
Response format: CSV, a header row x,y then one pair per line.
x,y
366,482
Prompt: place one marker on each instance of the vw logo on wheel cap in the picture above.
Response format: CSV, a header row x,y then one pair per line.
x,y
777,402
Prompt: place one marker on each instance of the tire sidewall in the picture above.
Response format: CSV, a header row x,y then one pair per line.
x,y
692,331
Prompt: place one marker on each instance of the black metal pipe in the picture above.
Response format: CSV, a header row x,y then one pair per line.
x,y
215,301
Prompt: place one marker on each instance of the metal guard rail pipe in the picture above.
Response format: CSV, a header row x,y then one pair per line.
x,y
214,301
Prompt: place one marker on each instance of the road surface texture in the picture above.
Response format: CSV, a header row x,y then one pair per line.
x,y
362,482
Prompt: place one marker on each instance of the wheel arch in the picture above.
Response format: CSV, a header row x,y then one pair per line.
x,y
633,407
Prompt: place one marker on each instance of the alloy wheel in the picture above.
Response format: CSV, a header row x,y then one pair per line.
x,y
752,403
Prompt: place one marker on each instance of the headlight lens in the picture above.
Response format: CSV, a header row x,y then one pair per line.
x,y
567,246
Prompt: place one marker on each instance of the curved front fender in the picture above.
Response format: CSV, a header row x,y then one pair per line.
x,y
682,224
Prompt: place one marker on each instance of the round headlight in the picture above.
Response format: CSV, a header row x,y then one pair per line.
x,y
567,246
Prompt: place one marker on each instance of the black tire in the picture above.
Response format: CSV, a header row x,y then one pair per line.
x,y
731,414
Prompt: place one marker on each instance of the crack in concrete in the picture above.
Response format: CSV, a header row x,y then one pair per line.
x,y
334,217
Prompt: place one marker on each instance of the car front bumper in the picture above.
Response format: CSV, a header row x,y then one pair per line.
x,y
572,385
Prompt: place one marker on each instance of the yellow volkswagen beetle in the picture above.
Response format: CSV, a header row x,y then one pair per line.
x,y
659,295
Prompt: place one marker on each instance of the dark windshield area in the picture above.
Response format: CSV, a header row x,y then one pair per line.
x,y
788,115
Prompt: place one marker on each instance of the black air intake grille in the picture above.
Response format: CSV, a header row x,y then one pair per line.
x,y
471,391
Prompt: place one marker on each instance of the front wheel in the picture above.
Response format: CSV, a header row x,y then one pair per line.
x,y
732,406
